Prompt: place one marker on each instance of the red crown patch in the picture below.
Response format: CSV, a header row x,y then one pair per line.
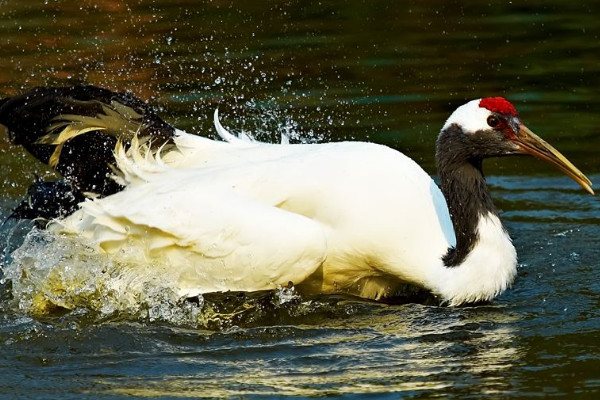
x,y
499,105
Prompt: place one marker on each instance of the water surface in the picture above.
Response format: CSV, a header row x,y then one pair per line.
x,y
358,70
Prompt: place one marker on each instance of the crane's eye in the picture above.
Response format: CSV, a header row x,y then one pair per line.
x,y
493,121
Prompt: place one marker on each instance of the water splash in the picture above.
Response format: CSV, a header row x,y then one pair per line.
x,y
52,275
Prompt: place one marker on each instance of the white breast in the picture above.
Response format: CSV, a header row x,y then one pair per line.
x,y
487,271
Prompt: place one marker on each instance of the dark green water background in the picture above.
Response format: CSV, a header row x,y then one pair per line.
x,y
389,72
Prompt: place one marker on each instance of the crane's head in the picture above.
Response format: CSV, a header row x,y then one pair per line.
x,y
490,127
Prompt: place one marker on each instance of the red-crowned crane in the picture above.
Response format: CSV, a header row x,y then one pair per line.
x,y
347,217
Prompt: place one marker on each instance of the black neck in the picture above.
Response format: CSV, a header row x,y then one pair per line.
x,y
463,185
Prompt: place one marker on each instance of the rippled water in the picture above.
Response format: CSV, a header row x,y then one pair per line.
x,y
375,70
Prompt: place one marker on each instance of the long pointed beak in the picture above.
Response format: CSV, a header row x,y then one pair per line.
x,y
530,143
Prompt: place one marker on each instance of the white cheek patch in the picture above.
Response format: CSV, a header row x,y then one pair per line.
x,y
470,117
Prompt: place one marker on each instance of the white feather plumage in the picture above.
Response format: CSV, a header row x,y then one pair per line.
x,y
346,217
